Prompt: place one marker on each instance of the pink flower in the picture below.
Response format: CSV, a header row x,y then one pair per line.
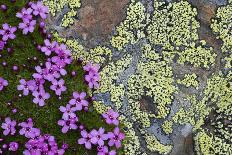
x,y
39,73
68,124
25,14
25,86
39,9
111,117
44,144
58,86
40,97
63,55
98,137
3,83
9,126
49,47
79,100
91,68
50,72
86,139
28,130
7,32
103,150
115,138
13,146
37,83
92,79
68,112
27,26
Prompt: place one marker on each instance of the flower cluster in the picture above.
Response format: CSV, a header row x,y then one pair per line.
x,y
69,118
28,23
92,76
98,137
51,71
94,137
37,143
43,144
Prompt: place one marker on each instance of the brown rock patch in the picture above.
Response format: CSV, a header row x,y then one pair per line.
x,y
97,18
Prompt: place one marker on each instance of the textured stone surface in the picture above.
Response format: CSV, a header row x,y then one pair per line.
x,y
96,23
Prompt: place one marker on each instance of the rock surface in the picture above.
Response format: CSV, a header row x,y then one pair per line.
x,y
95,25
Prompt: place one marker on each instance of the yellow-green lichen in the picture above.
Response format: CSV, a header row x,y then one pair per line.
x,y
195,114
167,127
56,6
174,27
128,31
221,26
155,146
189,80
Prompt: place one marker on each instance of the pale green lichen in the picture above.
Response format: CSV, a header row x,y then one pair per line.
x,y
155,146
221,26
204,143
195,114
167,126
128,31
174,27
56,6
189,80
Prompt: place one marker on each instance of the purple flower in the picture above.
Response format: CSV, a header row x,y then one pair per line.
x,y
63,55
2,45
40,97
44,144
68,112
103,150
50,72
86,139
111,117
25,14
68,124
33,147
115,138
98,137
3,83
28,130
49,47
27,26
9,126
92,76
58,86
37,83
25,86
39,73
7,32
92,79
79,100
91,68
39,9
13,146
